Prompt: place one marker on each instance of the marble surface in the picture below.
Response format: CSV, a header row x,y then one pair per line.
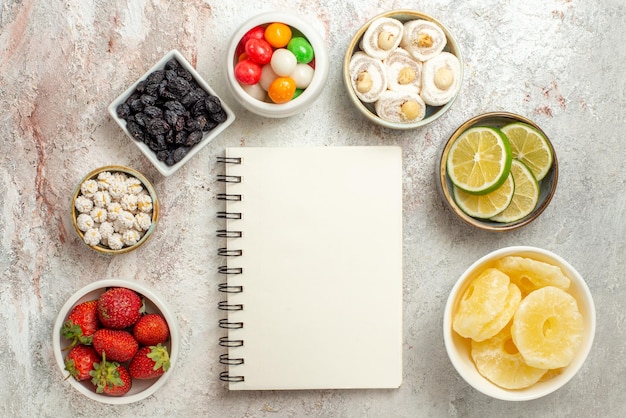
x,y
558,62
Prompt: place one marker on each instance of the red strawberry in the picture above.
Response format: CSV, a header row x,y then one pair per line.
x,y
111,378
119,308
81,323
149,362
80,360
119,345
151,329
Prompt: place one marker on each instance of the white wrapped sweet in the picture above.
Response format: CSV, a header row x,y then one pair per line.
x,y
115,241
84,222
106,230
143,221
88,188
101,198
131,237
83,204
144,203
114,209
126,220
117,188
134,185
104,180
92,236
99,214
129,202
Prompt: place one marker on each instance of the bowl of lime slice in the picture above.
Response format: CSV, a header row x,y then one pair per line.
x,y
498,171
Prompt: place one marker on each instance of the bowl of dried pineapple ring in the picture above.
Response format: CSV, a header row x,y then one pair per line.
x,y
519,323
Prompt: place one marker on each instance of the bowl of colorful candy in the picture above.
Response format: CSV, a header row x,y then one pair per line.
x,y
519,323
114,209
276,64
498,171
116,341
171,113
403,69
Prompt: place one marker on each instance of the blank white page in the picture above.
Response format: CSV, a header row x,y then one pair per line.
x,y
321,267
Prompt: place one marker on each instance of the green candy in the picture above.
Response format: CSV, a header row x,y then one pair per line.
x,y
301,48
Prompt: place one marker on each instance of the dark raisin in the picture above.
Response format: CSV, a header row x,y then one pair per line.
x,y
147,99
172,64
141,118
152,88
179,87
213,104
141,86
135,130
180,124
153,111
210,124
194,138
179,153
199,108
157,143
196,124
123,110
220,116
192,97
156,76
136,105
184,73
181,137
170,117
176,107
162,155
157,126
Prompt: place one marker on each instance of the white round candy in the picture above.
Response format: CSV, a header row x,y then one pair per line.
x,y
254,90
267,76
283,62
302,75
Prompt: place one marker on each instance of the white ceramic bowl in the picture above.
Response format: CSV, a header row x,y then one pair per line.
x,y
207,136
547,185
458,347
154,302
308,96
367,109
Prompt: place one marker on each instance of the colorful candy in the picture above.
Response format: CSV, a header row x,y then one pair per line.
x,y
274,62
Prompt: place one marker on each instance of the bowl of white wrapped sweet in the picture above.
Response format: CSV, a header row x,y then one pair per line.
x,y
403,69
114,209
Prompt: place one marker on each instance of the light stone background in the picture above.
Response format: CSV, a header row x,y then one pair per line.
x,y
558,62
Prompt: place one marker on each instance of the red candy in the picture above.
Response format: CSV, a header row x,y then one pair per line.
x,y
247,72
259,51
257,32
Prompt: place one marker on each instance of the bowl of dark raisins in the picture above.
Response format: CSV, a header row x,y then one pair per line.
x,y
171,113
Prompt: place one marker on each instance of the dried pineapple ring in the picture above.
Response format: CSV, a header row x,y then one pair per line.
x,y
488,302
529,274
498,360
381,37
548,328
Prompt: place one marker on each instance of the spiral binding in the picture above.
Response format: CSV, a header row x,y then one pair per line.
x,y
225,287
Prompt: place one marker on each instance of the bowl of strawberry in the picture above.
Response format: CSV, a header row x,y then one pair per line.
x,y
116,341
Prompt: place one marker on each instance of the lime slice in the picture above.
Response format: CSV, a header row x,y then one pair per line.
x,y
479,160
530,147
488,205
525,197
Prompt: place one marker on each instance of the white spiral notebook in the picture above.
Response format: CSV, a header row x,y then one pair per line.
x,y
312,274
